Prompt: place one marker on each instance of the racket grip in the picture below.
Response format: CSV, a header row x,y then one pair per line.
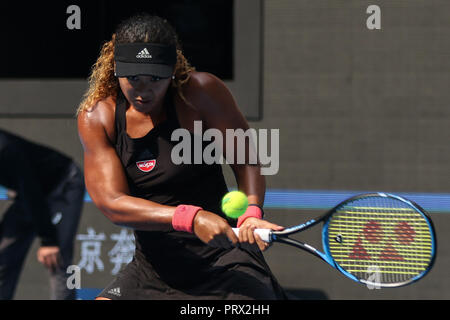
x,y
264,234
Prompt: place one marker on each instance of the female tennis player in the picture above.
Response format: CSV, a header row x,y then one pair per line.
x,y
141,89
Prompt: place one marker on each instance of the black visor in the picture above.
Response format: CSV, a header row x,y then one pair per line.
x,y
133,59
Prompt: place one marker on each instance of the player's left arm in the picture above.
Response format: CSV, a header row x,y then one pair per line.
x,y
218,109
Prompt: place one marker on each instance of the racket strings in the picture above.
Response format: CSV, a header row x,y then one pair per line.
x,y
380,240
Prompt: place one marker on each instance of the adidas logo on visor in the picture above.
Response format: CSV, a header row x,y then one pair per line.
x,y
144,54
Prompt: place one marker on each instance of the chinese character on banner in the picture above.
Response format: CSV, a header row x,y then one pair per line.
x,y
91,244
123,250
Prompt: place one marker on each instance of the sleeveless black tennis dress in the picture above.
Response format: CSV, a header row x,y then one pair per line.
x,y
178,265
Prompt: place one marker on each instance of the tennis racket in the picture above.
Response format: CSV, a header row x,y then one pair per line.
x,y
377,239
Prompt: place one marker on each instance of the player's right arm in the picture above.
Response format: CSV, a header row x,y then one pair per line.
x,y
105,177
108,187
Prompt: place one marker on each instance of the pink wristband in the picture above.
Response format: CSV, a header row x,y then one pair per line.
x,y
183,218
252,211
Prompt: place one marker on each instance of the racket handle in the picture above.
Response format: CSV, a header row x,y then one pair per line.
x,y
264,234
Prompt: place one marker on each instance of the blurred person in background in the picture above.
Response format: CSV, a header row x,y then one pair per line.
x,y
49,192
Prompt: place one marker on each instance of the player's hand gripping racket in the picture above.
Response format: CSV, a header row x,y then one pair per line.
x,y
377,239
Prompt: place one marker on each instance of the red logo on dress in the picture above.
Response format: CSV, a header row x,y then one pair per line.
x,y
146,166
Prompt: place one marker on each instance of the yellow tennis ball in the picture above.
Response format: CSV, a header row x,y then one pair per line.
x,y
234,204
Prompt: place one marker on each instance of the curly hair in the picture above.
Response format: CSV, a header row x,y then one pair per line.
x,y
139,28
